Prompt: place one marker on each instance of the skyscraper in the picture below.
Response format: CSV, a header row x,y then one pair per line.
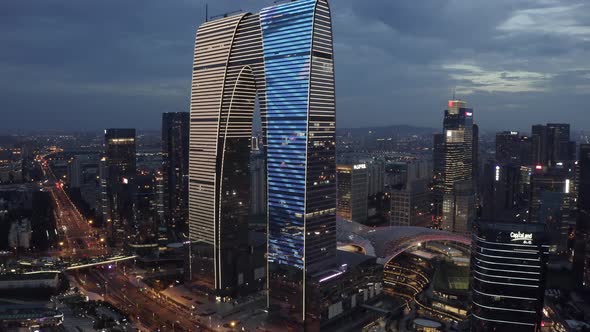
x,y
293,78
508,264
228,76
175,141
539,139
582,245
117,180
552,203
551,144
508,148
459,191
352,192
438,158
298,57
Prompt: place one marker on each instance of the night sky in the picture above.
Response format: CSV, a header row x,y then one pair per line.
x,y
87,65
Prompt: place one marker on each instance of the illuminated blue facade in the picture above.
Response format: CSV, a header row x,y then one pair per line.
x,y
299,71
287,36
282,58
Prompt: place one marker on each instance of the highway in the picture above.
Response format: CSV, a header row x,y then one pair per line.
x,y
144,306
79,239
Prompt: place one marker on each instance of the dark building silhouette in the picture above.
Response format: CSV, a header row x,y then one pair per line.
x,y
508,148
501,195
582,245
438,159
175,143
117,175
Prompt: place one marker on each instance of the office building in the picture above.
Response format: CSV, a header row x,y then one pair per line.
x,y
458,190
508,148
175,142
376,176
582,236
145,216
220,144
82,178
293,78
438,158
551,145
410,204
508,265
502,198
551,203
118,167
301,154
352,192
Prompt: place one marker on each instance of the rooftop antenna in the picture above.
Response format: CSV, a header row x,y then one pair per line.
x,y
455,88
226,14
206,12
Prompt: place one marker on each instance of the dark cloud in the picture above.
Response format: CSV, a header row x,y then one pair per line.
x,y
93,64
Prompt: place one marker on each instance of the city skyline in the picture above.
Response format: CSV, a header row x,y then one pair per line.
x,y
528,60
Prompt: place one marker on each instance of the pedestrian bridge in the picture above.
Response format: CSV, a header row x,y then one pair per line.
x,y
387,242
109,260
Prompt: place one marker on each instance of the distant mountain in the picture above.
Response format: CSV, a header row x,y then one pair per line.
x,y
387,131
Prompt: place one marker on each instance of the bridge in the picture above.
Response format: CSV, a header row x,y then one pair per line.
x,y
388,242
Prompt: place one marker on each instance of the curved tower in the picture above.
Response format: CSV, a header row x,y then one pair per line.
x,y
228,76
298,57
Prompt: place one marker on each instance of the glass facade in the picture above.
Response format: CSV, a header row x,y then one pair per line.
x,y
297,39
458,209
117,181
228,77
175,132
282,59
508,264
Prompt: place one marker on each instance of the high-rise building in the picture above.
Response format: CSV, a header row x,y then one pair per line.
x,y
551,145
508,148
410,204
301,154
352,192
144,227
293,78
551,203
475,151
118,167
459,191
175,142
582,237
508,264
558,143
438,159
228,76
501,193
376,176
539,144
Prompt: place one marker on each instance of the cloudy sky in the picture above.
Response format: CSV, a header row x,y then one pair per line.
x,y
81,64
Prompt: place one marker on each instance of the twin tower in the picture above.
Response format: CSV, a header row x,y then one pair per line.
x,y
281,61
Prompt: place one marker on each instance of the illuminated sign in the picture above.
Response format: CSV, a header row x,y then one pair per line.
x,y
497,173
525,238
360,166
468,113
514,133
539,167
450,103
567,186
125,181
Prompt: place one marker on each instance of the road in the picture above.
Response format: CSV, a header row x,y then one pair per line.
x,y
148,310
80,240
